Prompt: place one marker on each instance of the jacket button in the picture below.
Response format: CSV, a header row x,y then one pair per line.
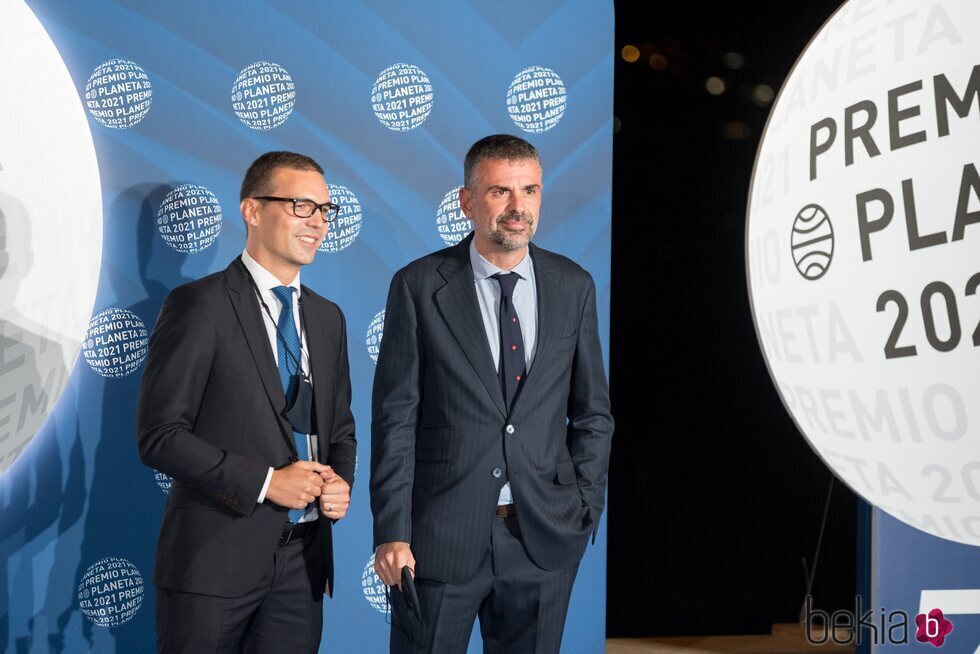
x,y
510,429
497,473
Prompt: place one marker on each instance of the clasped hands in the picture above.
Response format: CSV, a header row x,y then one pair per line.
x,y
296,485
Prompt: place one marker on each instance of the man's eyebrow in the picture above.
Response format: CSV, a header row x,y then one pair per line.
x,y
532,186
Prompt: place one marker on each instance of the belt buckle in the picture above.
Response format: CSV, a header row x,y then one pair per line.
x,y
287,535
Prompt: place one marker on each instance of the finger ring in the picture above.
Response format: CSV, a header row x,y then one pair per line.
x,y
330,508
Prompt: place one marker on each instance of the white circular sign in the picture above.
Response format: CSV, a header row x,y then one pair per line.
x,y
118,94
50,227
374,333
402,97
536,99
344,230
373,588
263,96
189,218
116,343
451,222
861,246
111,592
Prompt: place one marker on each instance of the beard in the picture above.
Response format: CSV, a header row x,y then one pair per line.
x,y
498,236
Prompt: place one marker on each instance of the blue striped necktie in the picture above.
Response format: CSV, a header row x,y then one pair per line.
x,y
288,352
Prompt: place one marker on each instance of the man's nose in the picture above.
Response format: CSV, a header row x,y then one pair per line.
x,y
316,221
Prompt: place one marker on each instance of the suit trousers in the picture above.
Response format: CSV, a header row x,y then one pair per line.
x,y
283,613
521,606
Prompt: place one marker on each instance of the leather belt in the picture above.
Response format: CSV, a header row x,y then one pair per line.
x,y
297,531
506,510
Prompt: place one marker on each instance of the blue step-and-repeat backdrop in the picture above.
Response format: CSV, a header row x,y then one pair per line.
x,y
125,129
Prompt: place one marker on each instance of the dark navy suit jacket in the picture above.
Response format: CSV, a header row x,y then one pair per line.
x,y
210,415
440,427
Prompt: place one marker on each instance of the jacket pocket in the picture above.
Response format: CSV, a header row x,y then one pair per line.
x,y
434,443
566,473
566,342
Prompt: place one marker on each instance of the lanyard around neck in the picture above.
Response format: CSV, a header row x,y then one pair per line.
x,y
275,325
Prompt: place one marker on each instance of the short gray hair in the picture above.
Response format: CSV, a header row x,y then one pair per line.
x,y
497,146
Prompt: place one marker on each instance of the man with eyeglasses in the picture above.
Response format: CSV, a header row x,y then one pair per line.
x,y
245,402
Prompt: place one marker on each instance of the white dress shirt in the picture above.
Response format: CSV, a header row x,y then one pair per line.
x,y
266,281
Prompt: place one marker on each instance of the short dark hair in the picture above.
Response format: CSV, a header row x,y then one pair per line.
x,y
257,176
497,146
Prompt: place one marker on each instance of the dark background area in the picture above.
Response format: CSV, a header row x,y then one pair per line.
x,y
714,497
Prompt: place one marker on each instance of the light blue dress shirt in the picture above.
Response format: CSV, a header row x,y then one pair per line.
x,y
525,303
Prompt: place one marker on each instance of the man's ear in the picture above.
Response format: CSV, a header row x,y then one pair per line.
x,y
466,201
250,211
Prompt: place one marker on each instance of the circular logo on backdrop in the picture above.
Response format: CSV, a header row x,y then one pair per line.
x,y
374,333
402,97
118,94
452,223
373,588
164,481
812,241
536,99
344,230
116,343
42,316
263,96
877,359
189,218
111,592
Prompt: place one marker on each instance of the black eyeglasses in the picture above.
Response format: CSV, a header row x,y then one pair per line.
x,y
303,208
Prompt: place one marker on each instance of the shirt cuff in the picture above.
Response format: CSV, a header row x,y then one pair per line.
x,y
265,487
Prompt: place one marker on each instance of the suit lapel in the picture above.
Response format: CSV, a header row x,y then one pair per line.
x,y
548,288
318,344
459,308
249,317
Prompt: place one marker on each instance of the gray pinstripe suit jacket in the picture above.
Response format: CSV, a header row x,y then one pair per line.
x,y
440,427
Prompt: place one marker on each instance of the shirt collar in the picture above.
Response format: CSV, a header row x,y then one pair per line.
x,y
482,269
264,279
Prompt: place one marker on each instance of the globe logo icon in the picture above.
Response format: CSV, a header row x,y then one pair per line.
x,y
812,242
